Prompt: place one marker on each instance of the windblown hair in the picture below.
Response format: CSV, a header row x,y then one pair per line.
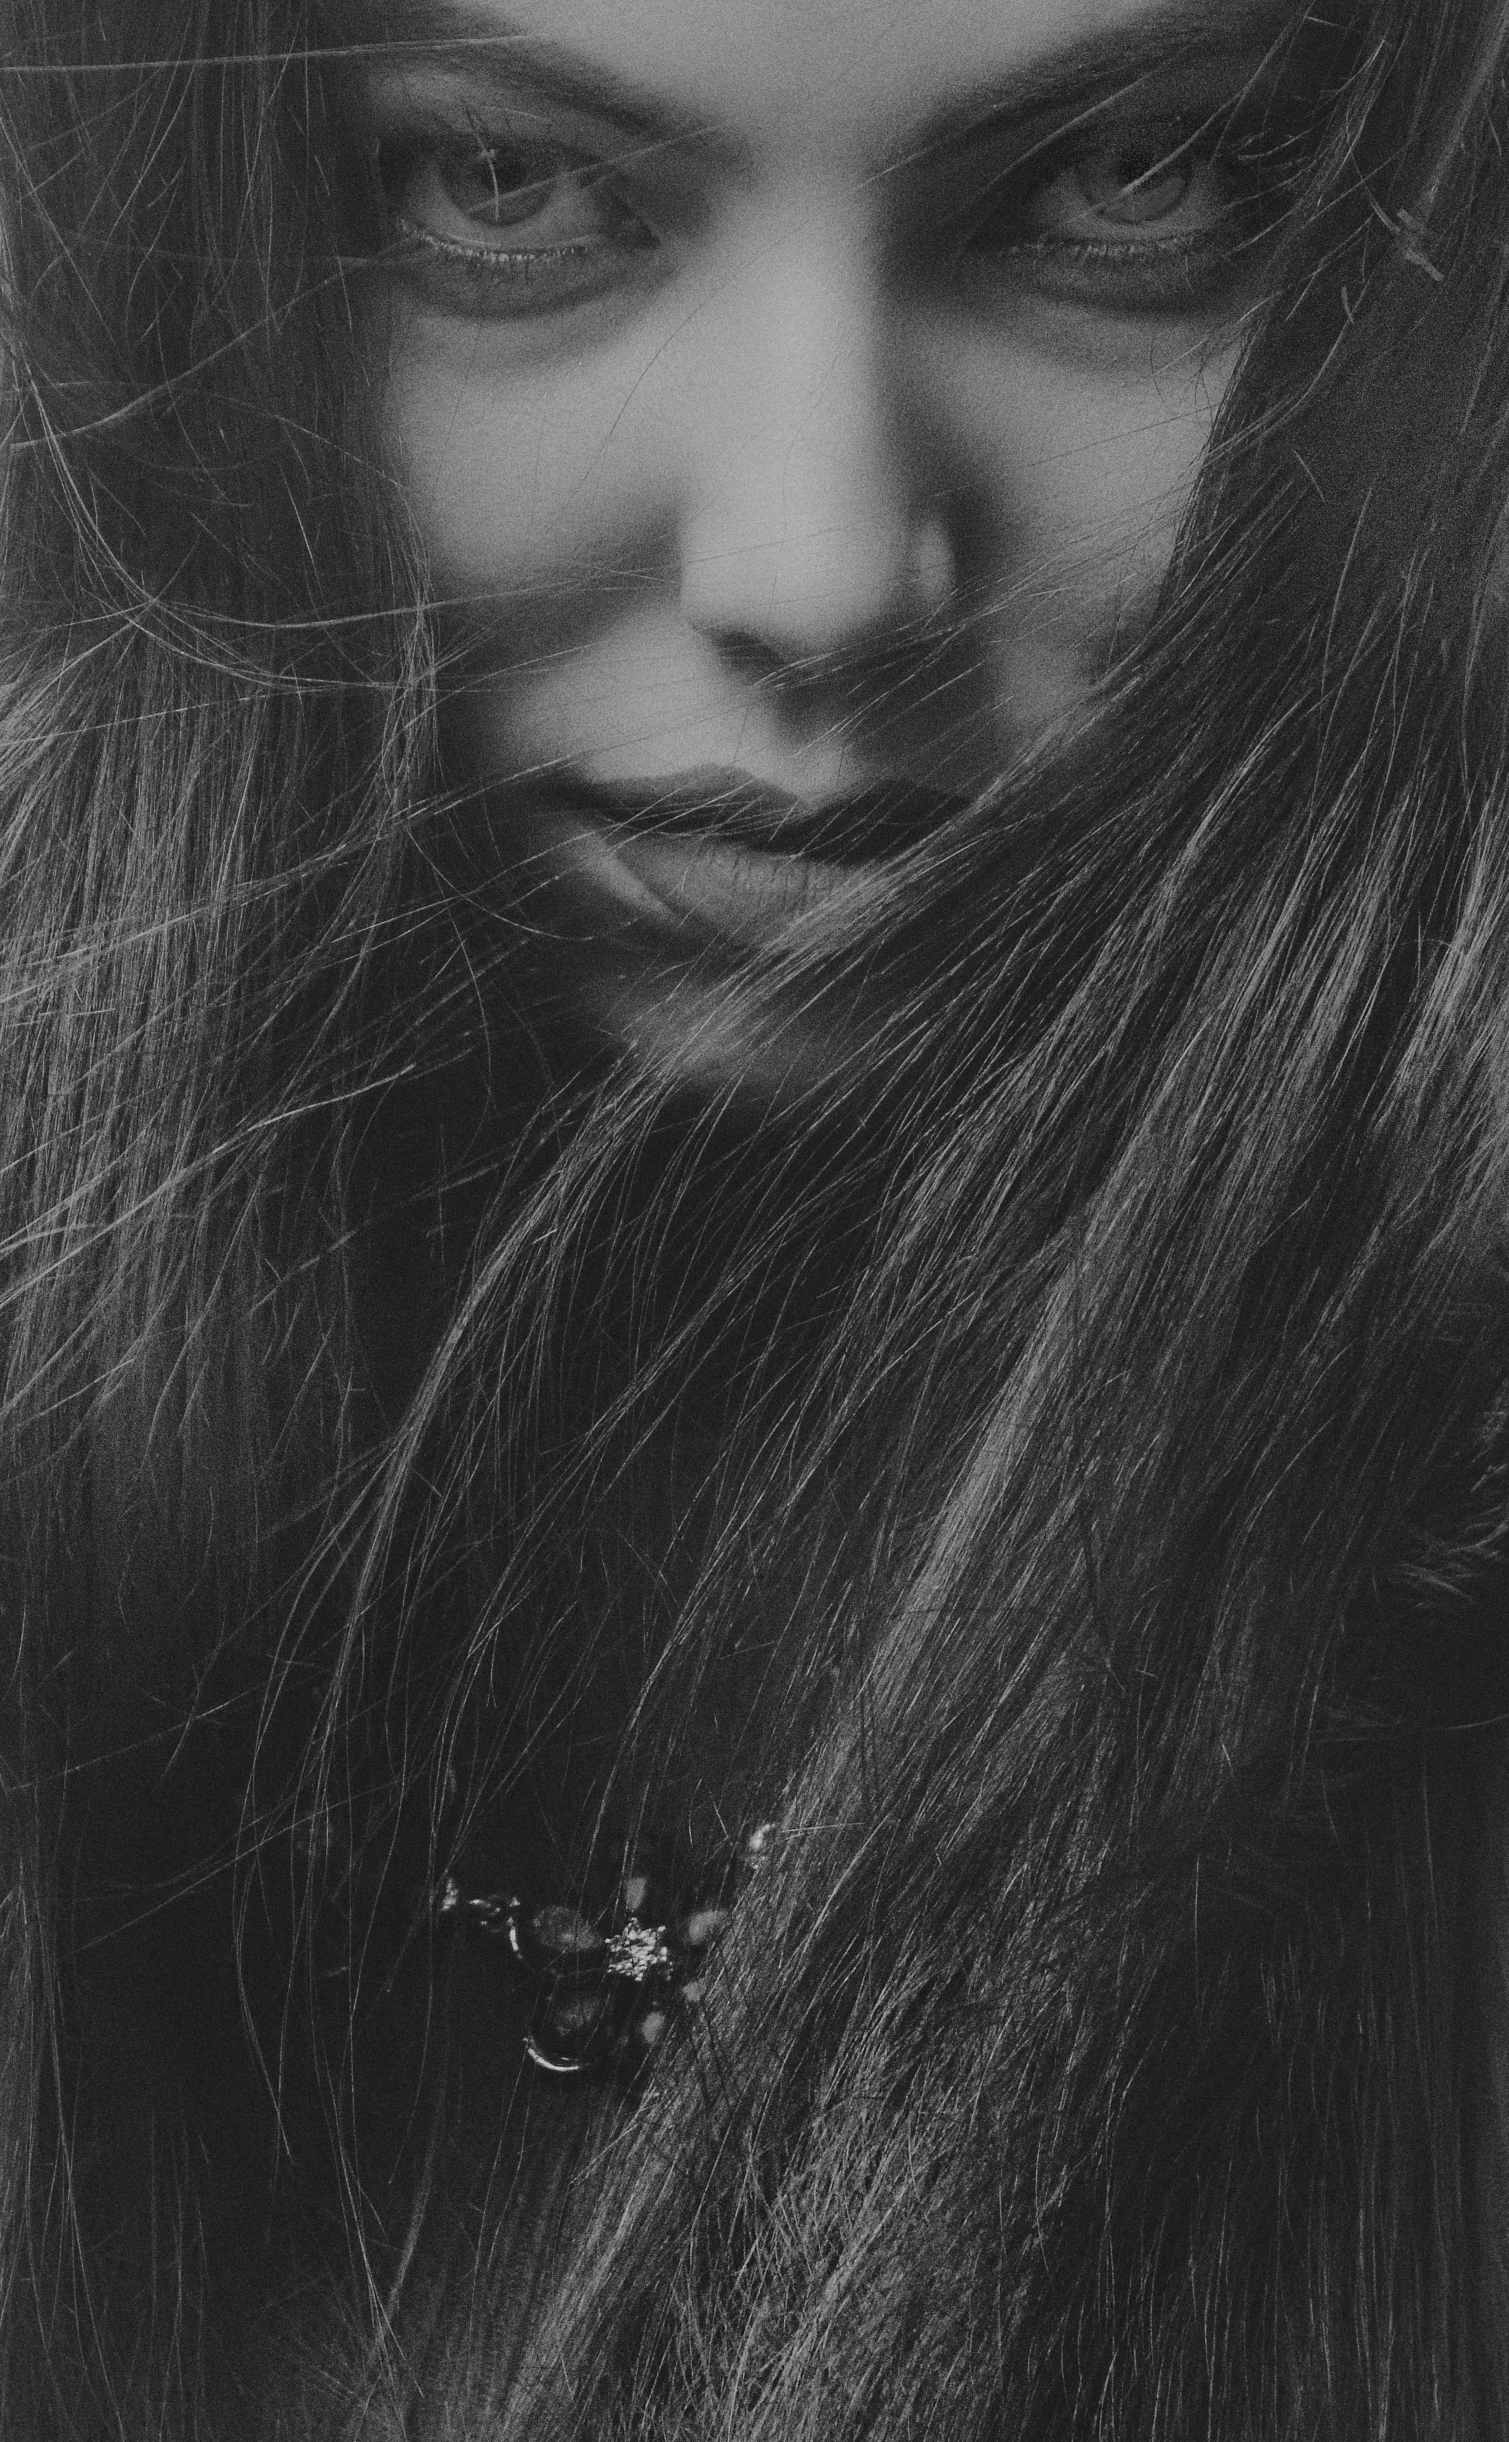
x,y
1054,1464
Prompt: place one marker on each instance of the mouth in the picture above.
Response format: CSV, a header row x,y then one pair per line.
x,y
862,826
715,853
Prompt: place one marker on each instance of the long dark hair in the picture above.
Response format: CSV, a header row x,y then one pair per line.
x,y
1088,1394
216,719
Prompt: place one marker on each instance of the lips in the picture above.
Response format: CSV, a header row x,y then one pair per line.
x,y
706,856
860,827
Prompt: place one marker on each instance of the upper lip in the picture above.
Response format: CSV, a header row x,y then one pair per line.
x,y
879,818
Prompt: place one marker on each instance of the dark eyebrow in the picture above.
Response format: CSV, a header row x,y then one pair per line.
x,y
454,35
449,35
1181,37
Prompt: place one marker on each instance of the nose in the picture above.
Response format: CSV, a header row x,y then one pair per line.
x,y
807,525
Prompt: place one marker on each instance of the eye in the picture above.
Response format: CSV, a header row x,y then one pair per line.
x,y
1122,190
491,226
1135,223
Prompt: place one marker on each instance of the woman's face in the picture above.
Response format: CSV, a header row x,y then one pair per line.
x,y
797,400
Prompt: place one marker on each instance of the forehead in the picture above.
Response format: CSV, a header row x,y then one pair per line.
x,y
852,73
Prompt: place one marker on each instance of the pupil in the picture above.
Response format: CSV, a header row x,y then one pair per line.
x,y
498,187
1129,188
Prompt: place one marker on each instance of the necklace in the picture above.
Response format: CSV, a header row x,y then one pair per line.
x,y
605,1988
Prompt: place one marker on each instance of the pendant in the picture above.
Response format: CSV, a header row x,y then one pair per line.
x,y
605,1990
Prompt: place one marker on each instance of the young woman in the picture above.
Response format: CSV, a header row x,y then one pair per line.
x,y
756,990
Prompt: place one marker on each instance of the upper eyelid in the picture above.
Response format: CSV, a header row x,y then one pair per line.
x,y
553,153
443,103
1025,153
1195,96
647,168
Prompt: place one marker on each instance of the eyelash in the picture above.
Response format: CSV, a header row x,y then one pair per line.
x,y
1255,173
493,267
1146,276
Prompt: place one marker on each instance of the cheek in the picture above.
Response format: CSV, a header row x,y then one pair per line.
x,y
522,478
1083,454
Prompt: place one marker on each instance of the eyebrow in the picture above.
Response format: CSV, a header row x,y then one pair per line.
x,y
1178,37
454,36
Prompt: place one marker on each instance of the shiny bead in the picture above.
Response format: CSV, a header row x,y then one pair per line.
x,y
605,1995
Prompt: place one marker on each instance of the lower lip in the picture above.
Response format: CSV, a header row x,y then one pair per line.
x,y
714,885
688,887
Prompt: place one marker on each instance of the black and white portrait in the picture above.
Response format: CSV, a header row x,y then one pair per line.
x,y
754,1220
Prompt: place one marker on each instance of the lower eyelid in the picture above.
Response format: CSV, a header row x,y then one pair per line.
x,y
525,275
1126,254
433,241
1191,275
1147,249
497,284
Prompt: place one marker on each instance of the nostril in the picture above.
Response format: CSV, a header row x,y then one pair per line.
x,y
759,663
772,608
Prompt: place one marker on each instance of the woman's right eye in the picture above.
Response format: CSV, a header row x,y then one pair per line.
x,y
490,227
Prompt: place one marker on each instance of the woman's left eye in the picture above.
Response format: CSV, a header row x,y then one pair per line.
x,y
494,228
1131,225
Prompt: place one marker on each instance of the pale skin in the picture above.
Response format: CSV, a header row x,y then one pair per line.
x,y
808,390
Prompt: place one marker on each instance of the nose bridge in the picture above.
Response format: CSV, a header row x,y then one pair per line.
x,y
801,498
